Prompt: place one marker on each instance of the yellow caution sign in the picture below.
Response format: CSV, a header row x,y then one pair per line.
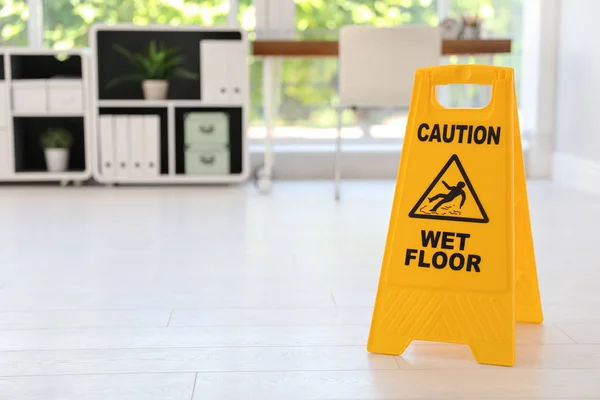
x,y
459,246
528,302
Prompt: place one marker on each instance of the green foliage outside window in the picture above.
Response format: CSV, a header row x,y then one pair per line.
x,y
14,15
308,86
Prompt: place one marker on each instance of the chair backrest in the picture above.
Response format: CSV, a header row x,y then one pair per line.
x,y
377,65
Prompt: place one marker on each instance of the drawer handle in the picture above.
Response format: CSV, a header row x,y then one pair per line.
x,y
207,129
207,160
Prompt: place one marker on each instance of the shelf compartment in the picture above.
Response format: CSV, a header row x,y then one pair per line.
x,y
2,72
29,155
45,66
235,139
48,96
111,64
162,112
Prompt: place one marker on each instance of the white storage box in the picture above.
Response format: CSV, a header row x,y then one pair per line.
x,y
65,95
3,106
29,95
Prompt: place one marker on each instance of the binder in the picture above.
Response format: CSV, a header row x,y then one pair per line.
x,y
151,140
136,145
214,80
107,148
121,136
237,71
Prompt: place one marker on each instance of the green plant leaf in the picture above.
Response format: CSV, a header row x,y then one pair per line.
x,y
56,138
126,78
169,52
125,53
158,62
184,74
152,49
173,62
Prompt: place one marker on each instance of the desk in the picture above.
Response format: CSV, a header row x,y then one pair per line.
x,y
329,48
277,49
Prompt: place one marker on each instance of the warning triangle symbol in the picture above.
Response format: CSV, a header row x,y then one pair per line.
x,y
450,197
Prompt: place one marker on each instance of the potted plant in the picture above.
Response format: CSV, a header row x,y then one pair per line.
x,y
56,143
471,27
153,69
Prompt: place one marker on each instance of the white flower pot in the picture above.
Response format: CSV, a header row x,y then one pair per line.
x,y
57,160
155,90
471,32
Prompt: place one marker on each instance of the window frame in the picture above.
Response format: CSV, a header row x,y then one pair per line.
x,y
35,24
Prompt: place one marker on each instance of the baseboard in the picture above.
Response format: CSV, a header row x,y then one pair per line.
x,y
540,157
296,162
317,162
576,172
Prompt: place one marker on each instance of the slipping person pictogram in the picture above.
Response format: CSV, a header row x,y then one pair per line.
x,y
436,203
455,191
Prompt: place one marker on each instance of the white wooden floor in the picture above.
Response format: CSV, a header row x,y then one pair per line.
x,y
218,293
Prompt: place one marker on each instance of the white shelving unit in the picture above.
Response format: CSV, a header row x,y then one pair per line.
x,y
24,116
220,58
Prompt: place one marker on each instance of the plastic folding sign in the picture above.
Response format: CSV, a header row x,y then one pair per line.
x,y
459,234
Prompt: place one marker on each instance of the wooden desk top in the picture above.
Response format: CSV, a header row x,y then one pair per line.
x,y
329,48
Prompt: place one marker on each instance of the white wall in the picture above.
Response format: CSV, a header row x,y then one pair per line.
x,y
538,83
577,156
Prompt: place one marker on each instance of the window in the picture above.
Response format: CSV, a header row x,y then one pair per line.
x,y
66,22
306,88
246,16
14,15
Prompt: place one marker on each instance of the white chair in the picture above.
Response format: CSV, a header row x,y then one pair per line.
x,y
377,68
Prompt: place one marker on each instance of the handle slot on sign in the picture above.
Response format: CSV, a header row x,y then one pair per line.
x,y
470,74
463,95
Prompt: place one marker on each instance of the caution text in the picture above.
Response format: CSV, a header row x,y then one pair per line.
x,y
468,134
443,249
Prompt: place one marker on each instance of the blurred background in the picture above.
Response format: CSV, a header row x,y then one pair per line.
x,y
306,88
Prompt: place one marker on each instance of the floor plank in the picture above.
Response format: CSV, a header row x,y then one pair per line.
x,y
99,387
323,358
84,319
437,356
273,317
74,339
430,384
